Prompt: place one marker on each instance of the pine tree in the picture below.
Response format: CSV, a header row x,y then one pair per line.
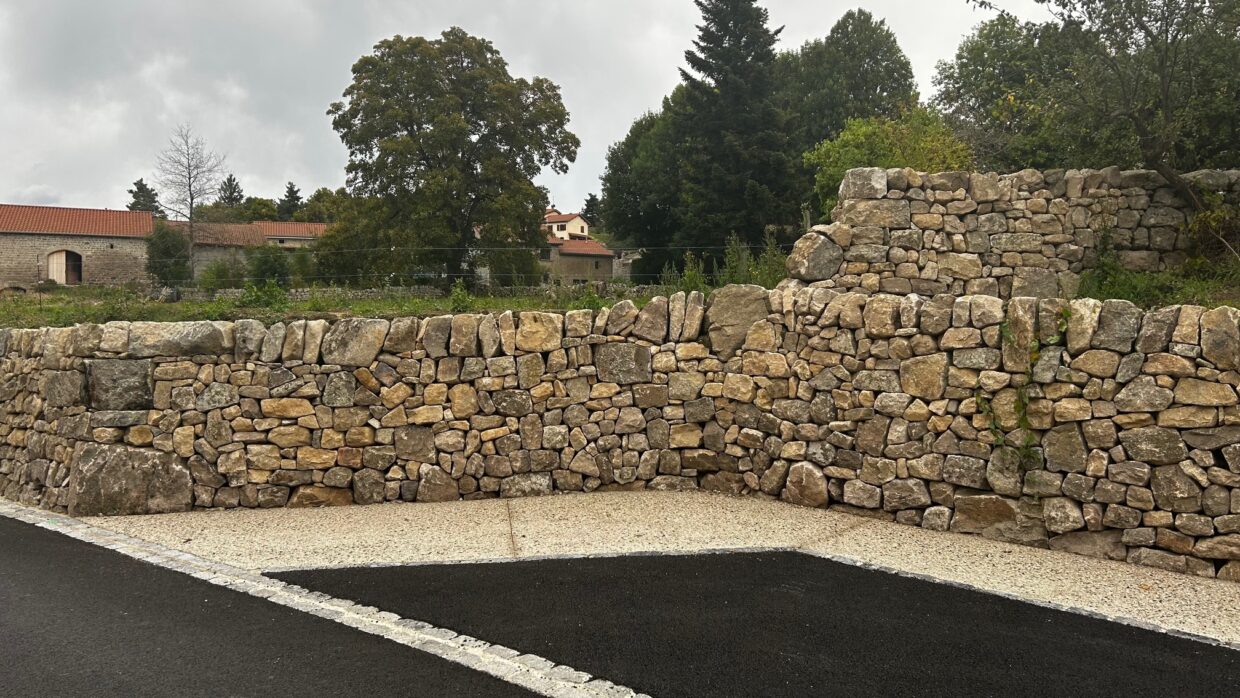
x,y
145,199
735,160
592,211
230,192
290,204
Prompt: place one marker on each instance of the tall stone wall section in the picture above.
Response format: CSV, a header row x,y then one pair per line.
x,y
1086,426
1028,234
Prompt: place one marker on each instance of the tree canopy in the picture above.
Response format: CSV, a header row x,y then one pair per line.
x,y
230,192
168,255
290,203
858,70
919,138
144,198
449,142
1151,82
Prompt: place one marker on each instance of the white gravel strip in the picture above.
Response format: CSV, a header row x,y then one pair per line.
x,y
537,674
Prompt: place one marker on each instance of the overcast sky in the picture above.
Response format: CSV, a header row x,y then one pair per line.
x,y
91,89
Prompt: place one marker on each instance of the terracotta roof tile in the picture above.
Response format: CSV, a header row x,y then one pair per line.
x,y
560,217
291,229
585,248
16,218
223,234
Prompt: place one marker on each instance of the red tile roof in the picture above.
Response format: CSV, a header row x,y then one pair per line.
x,y
560,217
291,229
16,218
223,234
585,248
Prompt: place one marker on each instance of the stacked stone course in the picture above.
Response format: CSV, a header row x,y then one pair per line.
x,y
1028,234
920,385
1086,426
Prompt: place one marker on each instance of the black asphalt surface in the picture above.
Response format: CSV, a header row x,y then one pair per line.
x,y
79,620
784,624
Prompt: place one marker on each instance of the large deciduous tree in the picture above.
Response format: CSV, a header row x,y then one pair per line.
x,y
857,71
189,174
323,206
1164,73
998,93
449,141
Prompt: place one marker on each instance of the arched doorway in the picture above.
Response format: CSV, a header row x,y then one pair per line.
x,y
65,267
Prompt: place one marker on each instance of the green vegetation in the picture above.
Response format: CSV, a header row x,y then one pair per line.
x,y
444,144
168,255
1108,82
918,138
221,274
267,264
1209,280
57,306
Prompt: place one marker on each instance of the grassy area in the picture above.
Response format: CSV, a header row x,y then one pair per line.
x,y
1198,283
68,306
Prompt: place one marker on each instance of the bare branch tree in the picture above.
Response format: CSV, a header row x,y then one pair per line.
x,y
189,175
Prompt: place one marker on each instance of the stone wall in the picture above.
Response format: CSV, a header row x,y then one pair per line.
x,y
105,260
1086,426
1024,234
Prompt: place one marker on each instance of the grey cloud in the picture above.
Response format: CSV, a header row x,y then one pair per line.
x,y
92,89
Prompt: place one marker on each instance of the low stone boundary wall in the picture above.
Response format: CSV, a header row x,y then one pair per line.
x,y
1086,426
1027,234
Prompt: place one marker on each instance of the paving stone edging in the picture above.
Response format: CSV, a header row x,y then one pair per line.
x,y
529,671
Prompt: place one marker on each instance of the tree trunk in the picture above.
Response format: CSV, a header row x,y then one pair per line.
x,y
1182,186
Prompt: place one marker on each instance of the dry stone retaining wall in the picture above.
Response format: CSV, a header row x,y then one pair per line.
x,y
1086,426
1028,234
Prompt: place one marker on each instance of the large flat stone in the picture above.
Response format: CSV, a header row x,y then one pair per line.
x,y
116,480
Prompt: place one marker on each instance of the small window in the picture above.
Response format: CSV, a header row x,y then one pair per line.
x,y
545,254
562,226
596,264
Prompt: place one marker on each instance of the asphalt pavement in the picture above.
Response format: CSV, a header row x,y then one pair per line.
x,y
784,624
80,620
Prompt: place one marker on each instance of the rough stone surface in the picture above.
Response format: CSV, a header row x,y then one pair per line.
x,y
815,258
354,341
115,480
730,312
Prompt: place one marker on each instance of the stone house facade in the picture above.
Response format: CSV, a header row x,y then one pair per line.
x,y
576,261
573,257
73,246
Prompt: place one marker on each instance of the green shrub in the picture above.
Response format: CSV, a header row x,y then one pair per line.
x,y
1215,231
740,266
460,300
267,263
222,273
1200,281
269,295
168,255
301,267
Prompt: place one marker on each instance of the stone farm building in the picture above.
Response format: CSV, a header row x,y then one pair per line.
x,y
573,257
74,246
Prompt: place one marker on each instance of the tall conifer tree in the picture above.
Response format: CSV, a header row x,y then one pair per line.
x,y
736,161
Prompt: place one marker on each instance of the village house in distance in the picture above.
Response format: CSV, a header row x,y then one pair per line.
x,y
73,246
573,257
